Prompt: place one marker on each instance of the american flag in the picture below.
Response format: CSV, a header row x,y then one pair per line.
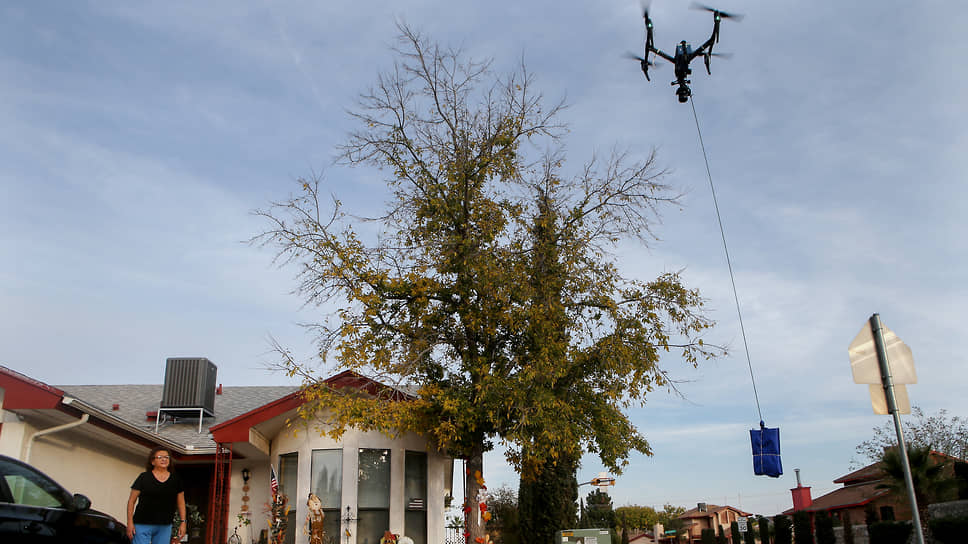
x,y
273,481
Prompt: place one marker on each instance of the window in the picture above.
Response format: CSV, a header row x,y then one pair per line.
x,y
327,484
373,495
29,488
415,489
887,513
288,484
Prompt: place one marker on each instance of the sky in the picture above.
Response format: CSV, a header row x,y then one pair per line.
x,y
136,139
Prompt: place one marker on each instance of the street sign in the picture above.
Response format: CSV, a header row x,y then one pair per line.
x,y
866,369
603,480
879,358
741,521
863,358
879,400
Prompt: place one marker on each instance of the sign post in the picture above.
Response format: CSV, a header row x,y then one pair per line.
x,y
895,364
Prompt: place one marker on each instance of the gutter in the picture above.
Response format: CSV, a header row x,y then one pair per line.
x,y
52,430
89,409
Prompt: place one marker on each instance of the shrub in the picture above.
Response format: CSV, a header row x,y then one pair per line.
x,y
734,532
848,528
870,516
825,528
802,529
889,532
782,530
949,530
764,524
749,537
708,536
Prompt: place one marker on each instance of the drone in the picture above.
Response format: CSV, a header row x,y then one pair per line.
x,y
684,52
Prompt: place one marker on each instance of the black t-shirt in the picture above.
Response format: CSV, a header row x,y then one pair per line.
x,y
157,501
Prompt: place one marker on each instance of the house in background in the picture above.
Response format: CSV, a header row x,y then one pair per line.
x,y
706,516
94,439
858,494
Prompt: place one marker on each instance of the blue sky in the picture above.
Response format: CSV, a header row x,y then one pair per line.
x,y
135,139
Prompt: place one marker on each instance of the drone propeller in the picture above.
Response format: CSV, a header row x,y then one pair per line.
x,y
646,4
630,55
717,13
645,64
706,56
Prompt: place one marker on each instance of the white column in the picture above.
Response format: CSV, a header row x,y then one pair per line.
x,y
351,468
398,457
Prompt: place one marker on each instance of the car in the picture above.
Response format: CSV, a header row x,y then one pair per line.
x,y
36,509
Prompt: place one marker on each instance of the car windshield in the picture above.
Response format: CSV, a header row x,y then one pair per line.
x,y
30,488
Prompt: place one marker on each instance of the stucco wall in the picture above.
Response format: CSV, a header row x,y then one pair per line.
x,y
303,442
79,464
11,434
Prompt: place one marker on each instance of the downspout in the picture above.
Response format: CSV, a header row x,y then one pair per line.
x,y
57,429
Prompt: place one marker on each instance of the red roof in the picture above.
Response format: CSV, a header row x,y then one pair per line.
x,y
846,497
22,392
874,471
867,474
710,510
237,428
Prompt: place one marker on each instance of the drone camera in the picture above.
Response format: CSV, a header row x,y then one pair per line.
x,y
683,92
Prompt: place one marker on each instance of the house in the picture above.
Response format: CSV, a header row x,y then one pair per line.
x,y
94,439
708,516
642,538
859,494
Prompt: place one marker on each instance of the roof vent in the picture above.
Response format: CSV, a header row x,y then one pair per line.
x,y
701,507
189,387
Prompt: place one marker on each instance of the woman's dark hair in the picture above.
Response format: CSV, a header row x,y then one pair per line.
x,y
151,455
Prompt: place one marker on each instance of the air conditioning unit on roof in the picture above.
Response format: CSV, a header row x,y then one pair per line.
x,y
189,387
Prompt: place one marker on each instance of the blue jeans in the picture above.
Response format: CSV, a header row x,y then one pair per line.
x,y
151,534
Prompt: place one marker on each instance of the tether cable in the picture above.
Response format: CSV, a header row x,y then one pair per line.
x,y
729,264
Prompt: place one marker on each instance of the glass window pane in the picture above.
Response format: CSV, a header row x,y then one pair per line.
x,y
415,480
327,481
331,534
415,526
288,474
371,525
415,487
31,488
374,479
288,485
27,492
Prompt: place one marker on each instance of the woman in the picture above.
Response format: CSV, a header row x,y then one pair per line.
x,y
158,492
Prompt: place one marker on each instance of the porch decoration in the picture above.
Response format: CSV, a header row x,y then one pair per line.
x,y
278,509
388,538
245,489
347,520
483,512
195,521
314,520
278,518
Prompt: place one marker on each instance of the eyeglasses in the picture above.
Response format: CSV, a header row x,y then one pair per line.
x,y
160,457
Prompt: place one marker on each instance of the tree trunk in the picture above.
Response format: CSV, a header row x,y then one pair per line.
x,y
473,520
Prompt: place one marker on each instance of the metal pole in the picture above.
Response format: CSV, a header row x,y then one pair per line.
x,y
888,384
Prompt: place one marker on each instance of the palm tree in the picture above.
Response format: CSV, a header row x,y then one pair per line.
x,y
931,482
